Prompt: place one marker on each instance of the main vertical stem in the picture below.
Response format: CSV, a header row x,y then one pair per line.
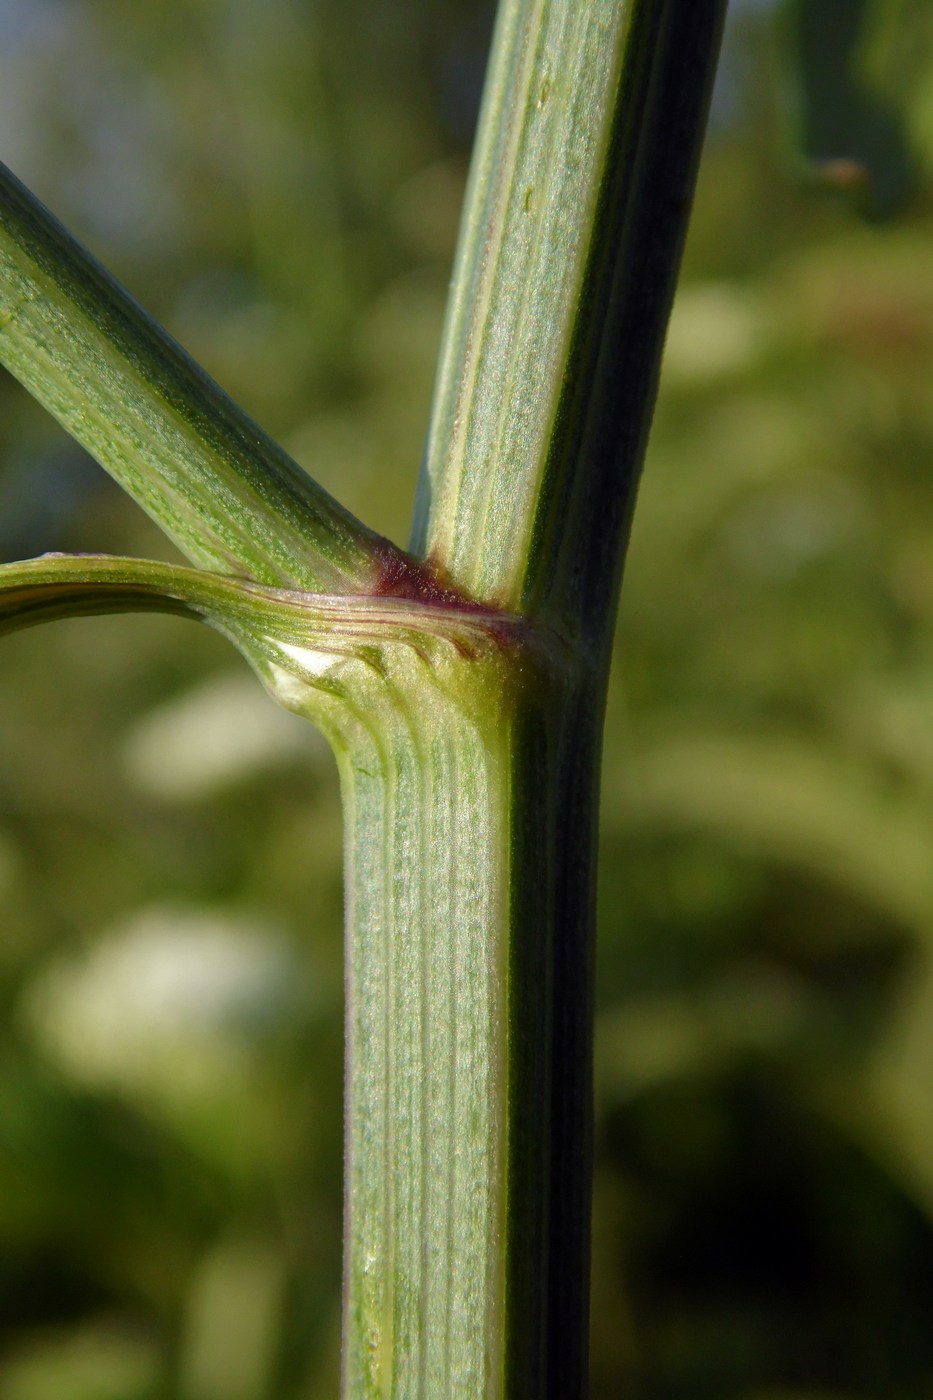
x,y
426,1045
470,891
472,795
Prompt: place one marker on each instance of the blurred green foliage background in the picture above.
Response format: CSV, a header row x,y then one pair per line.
x,y
279,182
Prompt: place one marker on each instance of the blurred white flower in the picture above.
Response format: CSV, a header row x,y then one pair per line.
x,y
171,1001
716,329
223,732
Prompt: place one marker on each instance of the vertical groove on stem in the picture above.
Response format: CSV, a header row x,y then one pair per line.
x,y
471,898
427,853
576,210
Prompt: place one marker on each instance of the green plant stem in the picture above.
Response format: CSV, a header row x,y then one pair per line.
x,y
456,755
577,207
428,1041
226,493
69,585
572,236
466,719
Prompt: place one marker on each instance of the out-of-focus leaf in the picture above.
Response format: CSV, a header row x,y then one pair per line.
x,y
897,59
896,1104
233,1318
757,1012
94,1362
849,130
788,801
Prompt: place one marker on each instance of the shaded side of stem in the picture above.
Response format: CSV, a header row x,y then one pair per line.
x,y
607,399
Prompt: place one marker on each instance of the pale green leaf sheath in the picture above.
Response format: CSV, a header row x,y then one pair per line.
x,y
282,625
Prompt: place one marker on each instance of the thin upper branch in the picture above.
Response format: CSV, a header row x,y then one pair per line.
x,y
225,492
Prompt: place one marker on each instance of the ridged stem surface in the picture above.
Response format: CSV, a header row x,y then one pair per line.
x,y
576,210
458,751
229,496
463,696
427,1056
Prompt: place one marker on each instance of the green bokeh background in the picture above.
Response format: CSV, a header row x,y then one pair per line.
x,y
279,182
